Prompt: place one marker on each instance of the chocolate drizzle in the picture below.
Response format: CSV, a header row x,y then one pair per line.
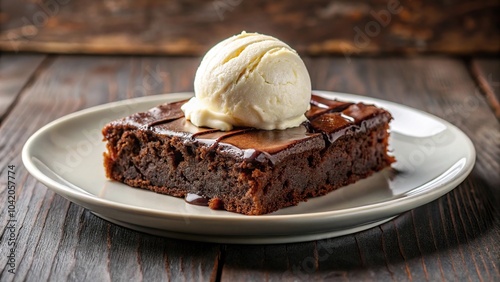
x,y
221,135
327,121
196,199
166,113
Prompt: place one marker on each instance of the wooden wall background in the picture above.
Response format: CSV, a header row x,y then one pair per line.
x,y
190,27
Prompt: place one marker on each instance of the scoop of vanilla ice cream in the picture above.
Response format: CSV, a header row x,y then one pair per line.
x,y
250,80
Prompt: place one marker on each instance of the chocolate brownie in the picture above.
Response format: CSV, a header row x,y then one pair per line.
x,y
247,170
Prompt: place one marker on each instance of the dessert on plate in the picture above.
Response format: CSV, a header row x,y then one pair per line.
x,y
253,139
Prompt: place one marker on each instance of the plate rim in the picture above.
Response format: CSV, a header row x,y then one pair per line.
x,y
400,203
248,240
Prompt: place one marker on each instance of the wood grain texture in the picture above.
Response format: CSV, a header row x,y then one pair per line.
x,y
487,74
312,27
454,238
15,73
58,240
450,239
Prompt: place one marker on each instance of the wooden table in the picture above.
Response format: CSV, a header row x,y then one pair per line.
x,y
454,238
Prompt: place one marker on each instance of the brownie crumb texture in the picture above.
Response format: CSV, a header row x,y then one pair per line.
x,y
238,177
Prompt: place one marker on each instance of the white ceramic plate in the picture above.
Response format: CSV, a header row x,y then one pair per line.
x,y
433,157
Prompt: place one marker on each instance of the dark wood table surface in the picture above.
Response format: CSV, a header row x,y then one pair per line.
x,y
454,238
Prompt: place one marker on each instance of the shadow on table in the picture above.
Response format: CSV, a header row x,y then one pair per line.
x,y
432,241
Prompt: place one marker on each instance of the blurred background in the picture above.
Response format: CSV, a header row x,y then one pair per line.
x,y
191,27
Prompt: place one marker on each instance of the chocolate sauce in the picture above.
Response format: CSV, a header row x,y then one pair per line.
x,y
327,121
196,199
167,112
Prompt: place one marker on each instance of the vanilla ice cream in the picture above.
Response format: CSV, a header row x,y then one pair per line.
x,y
250,80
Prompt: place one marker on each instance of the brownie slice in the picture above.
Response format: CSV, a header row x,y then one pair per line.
x,y
247,170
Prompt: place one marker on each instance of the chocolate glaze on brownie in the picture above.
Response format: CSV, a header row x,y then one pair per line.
x,y
330,118
247,154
